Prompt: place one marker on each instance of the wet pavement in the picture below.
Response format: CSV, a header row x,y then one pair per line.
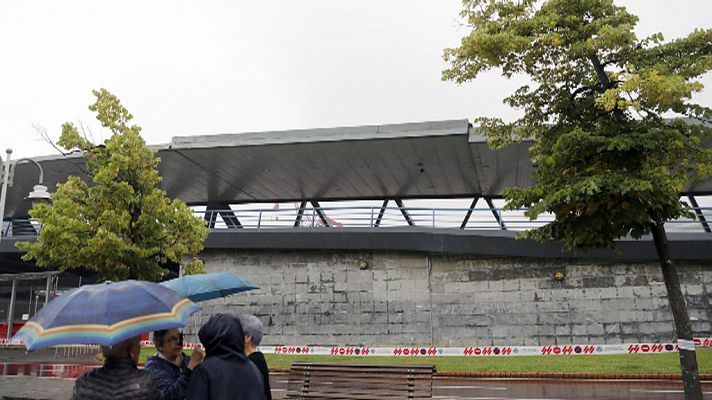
x,y
32,387
509,389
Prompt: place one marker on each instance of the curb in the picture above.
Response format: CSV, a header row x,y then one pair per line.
x,y
564,375
545,375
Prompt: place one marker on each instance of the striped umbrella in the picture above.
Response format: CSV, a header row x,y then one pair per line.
x,y
105,314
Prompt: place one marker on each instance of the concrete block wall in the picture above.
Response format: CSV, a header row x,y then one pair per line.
x,y
323,298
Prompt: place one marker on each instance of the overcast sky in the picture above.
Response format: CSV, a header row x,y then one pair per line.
x,y
184,68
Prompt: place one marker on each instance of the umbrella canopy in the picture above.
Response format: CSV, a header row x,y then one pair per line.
x,y
203,287
106,314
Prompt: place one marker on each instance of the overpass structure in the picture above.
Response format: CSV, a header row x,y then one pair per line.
x,y
394,234
240,180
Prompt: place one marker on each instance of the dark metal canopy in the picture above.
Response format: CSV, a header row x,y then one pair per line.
x,y
441,159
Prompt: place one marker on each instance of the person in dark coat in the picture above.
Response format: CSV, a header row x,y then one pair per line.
x,y
226,373
171,367
252,327
118,378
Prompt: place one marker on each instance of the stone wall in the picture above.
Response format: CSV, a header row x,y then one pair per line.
x,y
324,298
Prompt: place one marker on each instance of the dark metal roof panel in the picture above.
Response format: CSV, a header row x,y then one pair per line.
x,y
428,159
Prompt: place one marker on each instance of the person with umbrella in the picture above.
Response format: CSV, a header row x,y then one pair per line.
x,y
112,315
118,378
171,367
226,373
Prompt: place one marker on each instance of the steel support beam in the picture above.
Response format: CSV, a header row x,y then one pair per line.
x,y
11,310
231,220
699,213
469,212
405,213
223,209
210,217
380,213
300,213
497,216
320,213
49,285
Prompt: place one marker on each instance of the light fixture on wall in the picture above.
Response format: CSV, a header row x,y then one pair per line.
x,y
559,276
362,264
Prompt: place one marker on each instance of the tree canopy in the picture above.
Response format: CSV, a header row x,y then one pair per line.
x,y
617,134
121,225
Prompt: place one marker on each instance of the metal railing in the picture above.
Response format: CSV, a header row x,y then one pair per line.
x,y
377,217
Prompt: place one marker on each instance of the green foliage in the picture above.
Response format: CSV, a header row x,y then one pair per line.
x,y
609,160
194,267
122,225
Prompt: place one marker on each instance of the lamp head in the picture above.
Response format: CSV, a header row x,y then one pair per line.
x,y
39,195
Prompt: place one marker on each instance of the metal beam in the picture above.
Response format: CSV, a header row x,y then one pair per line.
x,y
23,227
403,211
26,276
469,212
231,220
11,310
495,213
320,213
212,211
699,213
210,217
300,214
49,284
380,213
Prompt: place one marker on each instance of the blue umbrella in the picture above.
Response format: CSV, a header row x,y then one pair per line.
x,y
106,314
203,287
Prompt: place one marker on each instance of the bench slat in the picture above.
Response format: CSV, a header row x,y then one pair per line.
x,y
359,381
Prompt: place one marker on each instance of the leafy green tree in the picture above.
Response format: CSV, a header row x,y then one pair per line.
x,y
122,226
195,267
610,158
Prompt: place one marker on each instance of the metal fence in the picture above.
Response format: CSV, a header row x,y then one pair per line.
x,y
378,217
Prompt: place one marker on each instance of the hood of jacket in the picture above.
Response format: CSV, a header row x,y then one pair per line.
x,y
222,335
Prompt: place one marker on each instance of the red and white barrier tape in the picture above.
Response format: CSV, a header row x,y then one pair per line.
x,y
470,351
484,351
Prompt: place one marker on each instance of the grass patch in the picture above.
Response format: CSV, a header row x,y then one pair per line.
x,y
665,363
620,363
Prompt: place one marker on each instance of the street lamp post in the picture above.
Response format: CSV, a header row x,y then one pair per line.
x,y
39,193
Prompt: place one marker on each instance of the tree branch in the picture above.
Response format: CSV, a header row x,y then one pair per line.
x,y
600,72
45,136
606,84
581,90
611,61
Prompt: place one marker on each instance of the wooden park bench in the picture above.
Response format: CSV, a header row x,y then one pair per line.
x,y
359,381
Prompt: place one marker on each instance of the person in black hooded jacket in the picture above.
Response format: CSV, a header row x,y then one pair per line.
x,y
226,373
118,378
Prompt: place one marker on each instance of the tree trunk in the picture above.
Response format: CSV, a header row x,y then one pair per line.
x,y
683,328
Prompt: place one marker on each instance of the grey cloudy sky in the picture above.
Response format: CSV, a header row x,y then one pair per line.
x,y
184,68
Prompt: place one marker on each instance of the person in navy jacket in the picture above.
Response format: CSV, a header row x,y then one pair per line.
x,y
171,368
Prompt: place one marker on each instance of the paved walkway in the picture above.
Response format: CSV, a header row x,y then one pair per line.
x,y
28,387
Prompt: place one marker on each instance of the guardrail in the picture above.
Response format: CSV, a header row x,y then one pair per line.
x,y
377,217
